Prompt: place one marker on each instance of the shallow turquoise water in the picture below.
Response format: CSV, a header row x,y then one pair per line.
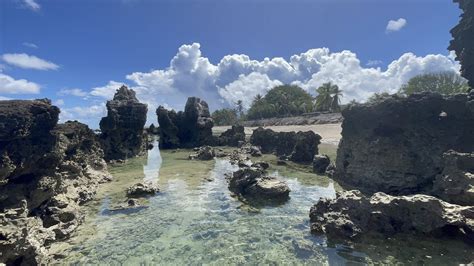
x,y
195,221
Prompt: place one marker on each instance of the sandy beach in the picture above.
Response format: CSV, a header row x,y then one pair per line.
x,y
330,133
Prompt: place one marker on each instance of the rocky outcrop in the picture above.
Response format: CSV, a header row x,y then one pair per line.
x,y
352,215
298,147
232,136
204,153
123,128
142,190
455,183
396,145
188,129
320,164
252,183
48,170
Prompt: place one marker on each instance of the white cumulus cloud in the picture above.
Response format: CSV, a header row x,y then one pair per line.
x,y
86,114
28,62
239,77
9,85
396,25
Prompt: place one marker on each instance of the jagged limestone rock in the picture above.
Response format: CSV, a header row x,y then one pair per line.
x,y
396,145
123,134
188,129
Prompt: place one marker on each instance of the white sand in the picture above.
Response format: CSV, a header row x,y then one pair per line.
x,y
330,133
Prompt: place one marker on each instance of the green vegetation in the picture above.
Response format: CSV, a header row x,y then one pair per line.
x,y
443,82
281,101
328,98
225,117
463,41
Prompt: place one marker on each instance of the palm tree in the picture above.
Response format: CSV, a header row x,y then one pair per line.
x,y
324,99
258,98
336,94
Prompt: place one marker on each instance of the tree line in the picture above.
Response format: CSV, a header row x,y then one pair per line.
x,y
291,100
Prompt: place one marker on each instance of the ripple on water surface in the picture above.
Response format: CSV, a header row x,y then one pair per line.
x,y
194,220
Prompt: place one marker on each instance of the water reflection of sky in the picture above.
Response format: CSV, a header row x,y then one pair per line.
x,y
152,167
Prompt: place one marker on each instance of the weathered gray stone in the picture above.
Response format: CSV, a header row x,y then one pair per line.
x,y
455,184
321,163
142,190
396,145
191,128
49,170
204,153
123,134
232,137
299,147
352,215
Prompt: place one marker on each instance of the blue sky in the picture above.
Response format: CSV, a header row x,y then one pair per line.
x,y
76,52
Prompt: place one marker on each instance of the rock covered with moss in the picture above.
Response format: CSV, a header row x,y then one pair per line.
x,y
186,129
123,134
396,145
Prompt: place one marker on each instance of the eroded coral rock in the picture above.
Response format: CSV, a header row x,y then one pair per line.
x,y
142,190
455,184
232,137
254,184
396,145
298,147
49,171
191,128
123,134
204,153
352,214
320,163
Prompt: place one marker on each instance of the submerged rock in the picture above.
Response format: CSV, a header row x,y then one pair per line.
x,y
321,163
352,215
204,153
191,128
396,145
48,170
298,147
232,137
142,190
455,183
123,134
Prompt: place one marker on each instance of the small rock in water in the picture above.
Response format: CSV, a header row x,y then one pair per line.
x,y
142,190
320,163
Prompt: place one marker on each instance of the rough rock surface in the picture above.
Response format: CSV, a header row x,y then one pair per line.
x,y
204,153
396,145
142,190
123,134
188,129
299,147
320,163
47,171
232,137
455,184
253,183
352,214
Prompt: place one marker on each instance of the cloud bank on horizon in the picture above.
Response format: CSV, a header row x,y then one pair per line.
x,y
238,77
235,77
